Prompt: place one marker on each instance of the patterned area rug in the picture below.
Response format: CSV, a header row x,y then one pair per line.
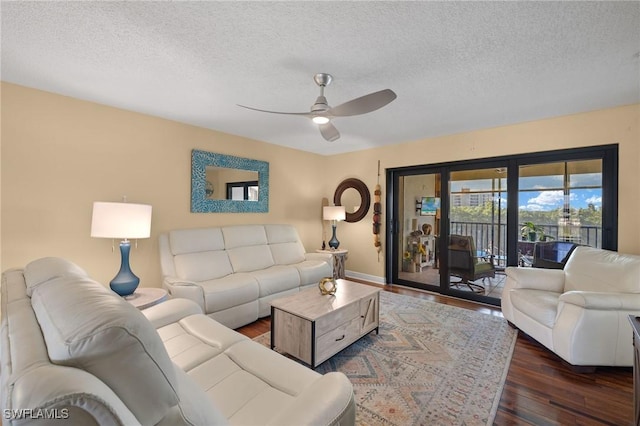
x,y
431,364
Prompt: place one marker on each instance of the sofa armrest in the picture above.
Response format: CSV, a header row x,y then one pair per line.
x,y
175,281
170,311
83,396
180,288
319,256
602,300
535,279
328,401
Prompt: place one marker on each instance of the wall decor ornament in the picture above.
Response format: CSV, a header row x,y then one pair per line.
x,y
377,214
201,201
328,286
429,206
365,198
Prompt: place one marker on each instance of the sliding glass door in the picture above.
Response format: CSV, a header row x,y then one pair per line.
x,y
477,230
418,228
454,227
560,203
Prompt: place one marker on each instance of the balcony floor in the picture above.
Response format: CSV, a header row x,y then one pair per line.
x,y
492,286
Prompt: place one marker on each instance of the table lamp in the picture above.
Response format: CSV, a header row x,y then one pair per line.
x,y
334,214
126,221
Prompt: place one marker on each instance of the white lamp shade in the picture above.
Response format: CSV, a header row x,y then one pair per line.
x,y
121,220
333,213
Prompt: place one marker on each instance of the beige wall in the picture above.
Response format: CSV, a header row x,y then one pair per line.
x,y
59,155
616,125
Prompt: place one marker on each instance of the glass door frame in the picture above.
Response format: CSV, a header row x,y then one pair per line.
x,y
392,265
608,154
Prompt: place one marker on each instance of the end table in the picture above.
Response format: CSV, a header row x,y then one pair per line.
x,y
339,257
145,297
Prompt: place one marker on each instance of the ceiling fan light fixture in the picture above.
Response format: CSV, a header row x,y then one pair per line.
x,y
321,113
319,119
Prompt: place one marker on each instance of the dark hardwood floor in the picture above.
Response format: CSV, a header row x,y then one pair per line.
x,y
540,389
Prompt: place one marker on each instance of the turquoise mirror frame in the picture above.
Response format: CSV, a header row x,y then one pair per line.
x,y
199,201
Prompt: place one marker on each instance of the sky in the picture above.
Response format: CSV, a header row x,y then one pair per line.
x,y
544,193
552,200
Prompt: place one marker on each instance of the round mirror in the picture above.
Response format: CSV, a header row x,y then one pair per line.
x,y
354,195
351,200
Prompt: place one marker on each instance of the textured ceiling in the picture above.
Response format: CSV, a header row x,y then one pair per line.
x,y
455,66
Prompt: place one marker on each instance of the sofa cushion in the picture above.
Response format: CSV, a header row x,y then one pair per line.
x,y
276,279
227,292
44,269
591,269
195,240
27,349
287,253
244,235
89,327
13,286
285,244
281,234
249,379
202,266
194,408
250,258
195,339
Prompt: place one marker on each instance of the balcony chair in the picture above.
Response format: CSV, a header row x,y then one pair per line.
x,y
466,265
552,254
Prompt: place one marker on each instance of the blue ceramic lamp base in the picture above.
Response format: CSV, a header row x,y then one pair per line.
x,y
333,242
126,282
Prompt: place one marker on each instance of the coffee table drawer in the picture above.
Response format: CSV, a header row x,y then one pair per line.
x,y
337,339
342,315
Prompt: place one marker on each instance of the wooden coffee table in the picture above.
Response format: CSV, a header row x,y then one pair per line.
x,y
312,327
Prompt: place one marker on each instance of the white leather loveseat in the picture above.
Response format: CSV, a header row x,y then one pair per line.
x,y
75,351
232,272
579,312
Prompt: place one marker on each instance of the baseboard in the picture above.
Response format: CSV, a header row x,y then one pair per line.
x,y
365,277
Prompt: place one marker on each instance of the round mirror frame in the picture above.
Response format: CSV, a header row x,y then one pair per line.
x,y
365,197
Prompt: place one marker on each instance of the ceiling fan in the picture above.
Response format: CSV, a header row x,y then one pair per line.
x,y
321,113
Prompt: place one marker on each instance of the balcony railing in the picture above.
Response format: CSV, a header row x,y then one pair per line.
x,y
492,238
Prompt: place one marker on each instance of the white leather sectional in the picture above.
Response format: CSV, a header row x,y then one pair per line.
x,y
581,312
233,272
74,350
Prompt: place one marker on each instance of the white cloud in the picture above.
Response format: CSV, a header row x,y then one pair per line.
x,y
532,207
595,200
546,200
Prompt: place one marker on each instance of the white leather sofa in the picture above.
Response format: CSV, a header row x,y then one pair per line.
x,y
579,312
232,272
74,350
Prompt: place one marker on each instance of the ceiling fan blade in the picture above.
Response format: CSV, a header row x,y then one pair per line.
x,y
329,131
276,112
364,104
